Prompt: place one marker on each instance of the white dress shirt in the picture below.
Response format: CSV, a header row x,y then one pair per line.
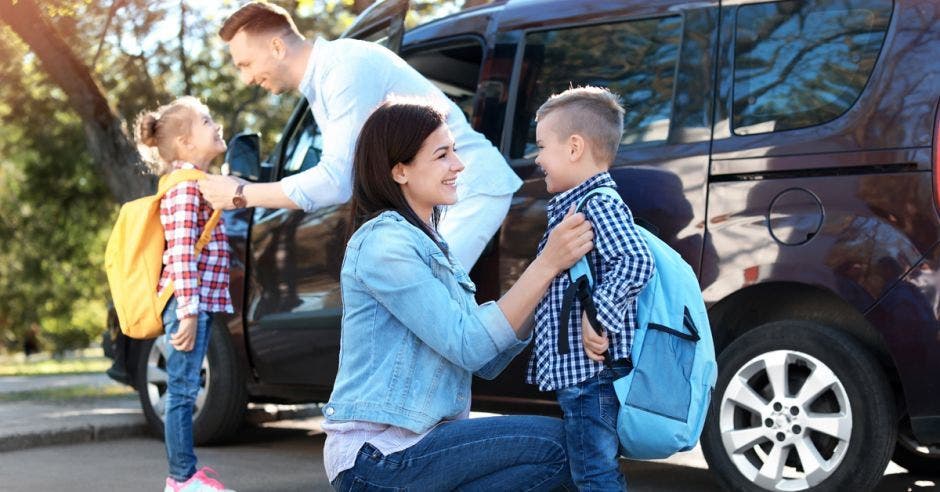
x,y
345,80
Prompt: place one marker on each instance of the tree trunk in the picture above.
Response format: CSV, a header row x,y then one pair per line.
x,y
107,139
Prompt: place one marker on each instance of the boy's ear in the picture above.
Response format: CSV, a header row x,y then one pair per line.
x,y
398,174
576,147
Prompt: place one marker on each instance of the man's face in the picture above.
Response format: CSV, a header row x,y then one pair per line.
x,y
259,58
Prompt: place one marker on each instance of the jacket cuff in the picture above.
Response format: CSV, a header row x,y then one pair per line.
x,y
498,327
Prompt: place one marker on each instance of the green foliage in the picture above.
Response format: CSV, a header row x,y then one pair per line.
x,y
55,210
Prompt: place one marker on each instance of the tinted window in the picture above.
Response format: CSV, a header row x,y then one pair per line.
x,y
802,63
454,69
635,59
304,148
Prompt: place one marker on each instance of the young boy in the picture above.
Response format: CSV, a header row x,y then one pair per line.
x,y
578,134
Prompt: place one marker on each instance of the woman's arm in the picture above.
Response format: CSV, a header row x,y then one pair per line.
x,y
571,239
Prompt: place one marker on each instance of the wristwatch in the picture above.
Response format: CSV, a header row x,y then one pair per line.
x,y
239,199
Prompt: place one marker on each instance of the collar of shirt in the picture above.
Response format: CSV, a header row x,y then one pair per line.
x,y
306,86
183,165
559,205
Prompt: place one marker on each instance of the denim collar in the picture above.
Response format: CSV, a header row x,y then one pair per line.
x,y
559,204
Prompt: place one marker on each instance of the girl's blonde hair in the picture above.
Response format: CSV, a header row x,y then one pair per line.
x,y
156,131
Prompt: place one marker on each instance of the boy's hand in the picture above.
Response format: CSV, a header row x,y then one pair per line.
x,y
594,345
568,241
185,337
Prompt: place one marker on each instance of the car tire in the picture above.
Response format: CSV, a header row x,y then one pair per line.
x,y
915,458
764,432
222,399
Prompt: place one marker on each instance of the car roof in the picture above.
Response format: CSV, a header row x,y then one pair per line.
x,y
533,14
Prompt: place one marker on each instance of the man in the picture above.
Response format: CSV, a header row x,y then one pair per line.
x,y
344,80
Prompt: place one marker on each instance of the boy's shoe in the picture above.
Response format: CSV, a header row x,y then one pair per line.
x,y
200,482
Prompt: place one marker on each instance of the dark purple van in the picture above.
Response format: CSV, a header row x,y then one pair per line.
x,y
787,149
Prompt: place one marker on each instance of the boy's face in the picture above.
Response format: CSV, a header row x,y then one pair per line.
x,y
555,156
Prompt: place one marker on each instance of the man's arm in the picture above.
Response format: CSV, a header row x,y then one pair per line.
x,y
351,91
219,191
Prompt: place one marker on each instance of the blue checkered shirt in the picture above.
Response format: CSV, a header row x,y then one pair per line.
x,y
623,265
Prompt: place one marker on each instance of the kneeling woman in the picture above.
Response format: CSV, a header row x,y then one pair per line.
x,y
413,335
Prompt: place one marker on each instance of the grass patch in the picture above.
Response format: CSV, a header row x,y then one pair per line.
x,y
85,392
55,367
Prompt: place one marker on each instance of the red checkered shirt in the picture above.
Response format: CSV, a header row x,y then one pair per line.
x,y
200,285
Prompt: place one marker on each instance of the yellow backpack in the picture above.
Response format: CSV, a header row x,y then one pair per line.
x,y
133,259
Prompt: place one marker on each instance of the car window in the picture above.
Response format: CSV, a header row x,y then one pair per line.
x,y
802,63
454,68
635,59
304,148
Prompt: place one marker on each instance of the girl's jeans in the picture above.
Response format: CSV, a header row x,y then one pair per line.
x,y
183,380
593,445
516,453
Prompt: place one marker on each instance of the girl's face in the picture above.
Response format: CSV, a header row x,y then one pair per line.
x,y
205,139
431,177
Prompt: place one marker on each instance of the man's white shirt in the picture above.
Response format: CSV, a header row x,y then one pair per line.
x,y
345,80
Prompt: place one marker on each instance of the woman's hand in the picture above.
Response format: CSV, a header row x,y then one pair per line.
x,y
571,239
185,337
595,345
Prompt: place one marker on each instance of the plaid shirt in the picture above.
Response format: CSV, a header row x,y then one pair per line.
x,y
200,285
623,265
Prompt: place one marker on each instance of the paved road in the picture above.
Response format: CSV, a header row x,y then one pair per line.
x,y
285,456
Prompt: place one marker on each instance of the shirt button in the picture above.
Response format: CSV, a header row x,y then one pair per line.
x,y
330,411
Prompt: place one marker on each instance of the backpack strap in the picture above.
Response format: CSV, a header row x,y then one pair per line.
x,y
582,276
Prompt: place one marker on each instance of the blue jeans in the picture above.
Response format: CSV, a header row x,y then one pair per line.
x,y
593,446
183,381
519,452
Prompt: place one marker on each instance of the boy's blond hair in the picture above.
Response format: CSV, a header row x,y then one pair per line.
x,y
594,113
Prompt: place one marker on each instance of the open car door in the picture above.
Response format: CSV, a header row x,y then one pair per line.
x,y
383,22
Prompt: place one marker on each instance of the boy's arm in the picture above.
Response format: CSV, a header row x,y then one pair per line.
x,y
621,247
178,212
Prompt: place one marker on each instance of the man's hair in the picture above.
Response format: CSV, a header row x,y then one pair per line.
x,y
594,113
256,17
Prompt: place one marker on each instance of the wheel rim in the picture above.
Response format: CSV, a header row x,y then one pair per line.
x,y
785,420
157,380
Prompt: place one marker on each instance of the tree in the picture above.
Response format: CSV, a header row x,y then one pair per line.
x,y
105,134
73,75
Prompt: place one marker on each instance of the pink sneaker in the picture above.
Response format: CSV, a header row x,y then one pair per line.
x,y
200,482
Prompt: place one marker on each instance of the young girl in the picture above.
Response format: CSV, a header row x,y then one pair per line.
x,y
182,135
413,335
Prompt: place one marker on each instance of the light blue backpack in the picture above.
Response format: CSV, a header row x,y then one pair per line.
x,y
664,399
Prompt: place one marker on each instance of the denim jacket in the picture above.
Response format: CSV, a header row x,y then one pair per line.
x,y
412,332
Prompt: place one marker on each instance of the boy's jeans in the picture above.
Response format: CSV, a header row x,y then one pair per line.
x,y
183,380
519,452
593,447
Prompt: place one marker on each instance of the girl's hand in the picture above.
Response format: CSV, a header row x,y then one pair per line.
x,y
185,337
571,239
594,344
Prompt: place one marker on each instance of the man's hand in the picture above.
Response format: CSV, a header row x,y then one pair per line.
x,y
595,345
219,190
185,337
